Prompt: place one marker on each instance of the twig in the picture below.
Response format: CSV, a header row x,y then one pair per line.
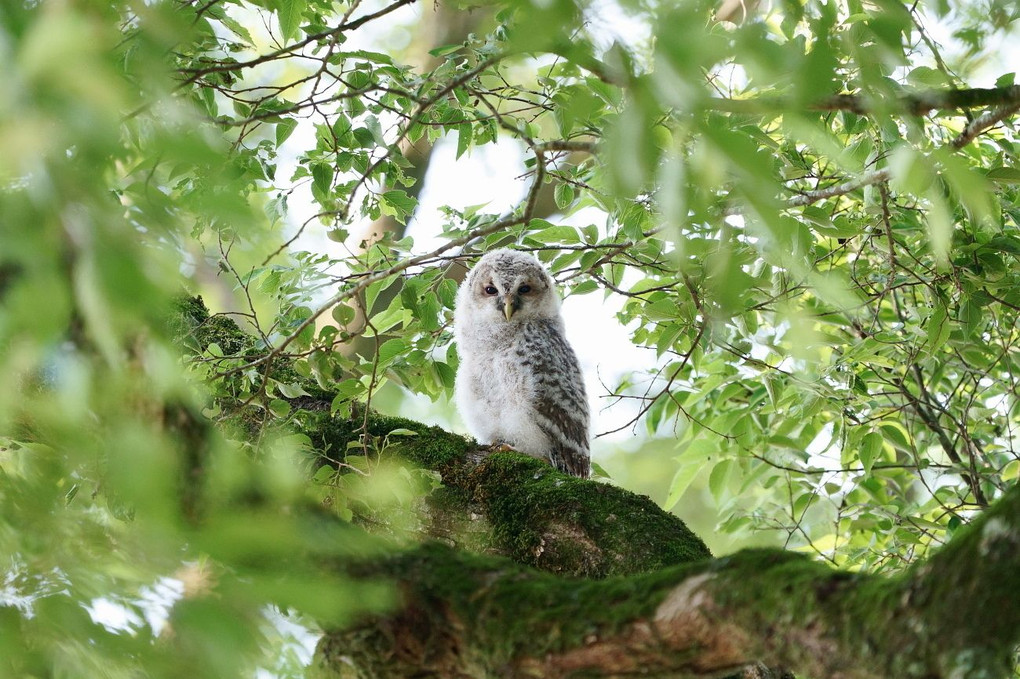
x,y
374,278
866,179
983,122
196,73
415,117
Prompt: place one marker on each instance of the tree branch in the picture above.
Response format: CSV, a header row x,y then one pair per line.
x,y
914,103
974,128
194,74
472,616
520,506
983,122
866,179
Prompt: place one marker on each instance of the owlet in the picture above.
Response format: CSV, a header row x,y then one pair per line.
x,y
519,382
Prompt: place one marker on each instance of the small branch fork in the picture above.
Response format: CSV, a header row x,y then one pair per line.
x,y
193,74
980,124
983,122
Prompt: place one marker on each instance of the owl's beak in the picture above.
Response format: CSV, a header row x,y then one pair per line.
x,y
509,306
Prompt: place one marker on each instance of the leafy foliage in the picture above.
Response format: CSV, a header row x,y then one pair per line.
x,y
807,218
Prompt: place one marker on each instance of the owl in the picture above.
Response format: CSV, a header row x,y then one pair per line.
x,y
519,382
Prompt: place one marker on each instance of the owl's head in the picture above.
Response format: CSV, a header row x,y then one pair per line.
x,y
507,286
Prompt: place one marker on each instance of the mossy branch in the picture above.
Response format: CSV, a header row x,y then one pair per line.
x,y
958,615
533,514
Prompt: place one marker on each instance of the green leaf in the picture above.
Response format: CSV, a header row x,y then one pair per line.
x,y
445,49
929,77
563,195
897,434
235,27
871,448
428,312
584,287
397,204
937,328
1004,175
284,129
374,290
692,462
1008,244
322,178
552,234
447,292
276,208
279,407
598,471
390,349
323,474
343,314
718,479
289,13
292,390
464,133
359,80
445,373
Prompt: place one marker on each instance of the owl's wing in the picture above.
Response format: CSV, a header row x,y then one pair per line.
x,y
561,407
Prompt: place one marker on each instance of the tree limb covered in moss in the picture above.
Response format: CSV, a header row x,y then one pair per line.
x,y
472,616
528,511
651,601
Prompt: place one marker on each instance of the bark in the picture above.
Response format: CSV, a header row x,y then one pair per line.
x,y
958,615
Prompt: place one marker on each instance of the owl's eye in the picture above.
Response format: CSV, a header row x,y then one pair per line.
x,y
489,290
524,289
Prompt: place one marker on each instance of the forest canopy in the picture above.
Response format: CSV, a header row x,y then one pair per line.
x,y
220,238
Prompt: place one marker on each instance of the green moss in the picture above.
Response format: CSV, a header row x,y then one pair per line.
x,y
527,502
513,612
196,329
497,611
537,516
429,447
